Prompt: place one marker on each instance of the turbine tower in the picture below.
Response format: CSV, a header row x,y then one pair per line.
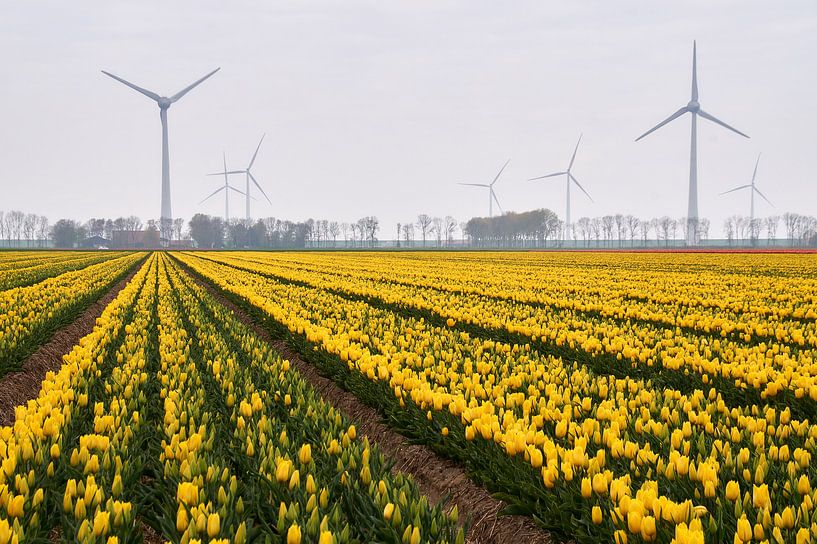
x,y
568,178
491,194
164,103
752,190
226,188
249,176
693,107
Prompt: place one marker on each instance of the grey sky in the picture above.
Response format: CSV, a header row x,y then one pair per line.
x,y
381,107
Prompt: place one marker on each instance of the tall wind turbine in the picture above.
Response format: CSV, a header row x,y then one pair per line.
x,y
491,194
226,188
693,107
164,103
249,176
568,178
752,190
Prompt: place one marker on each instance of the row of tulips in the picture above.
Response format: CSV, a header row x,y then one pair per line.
x,y
775,370
52,451
28,315
19,273
612,452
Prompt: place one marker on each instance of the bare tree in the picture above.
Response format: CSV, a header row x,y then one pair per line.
x,y
423,223
771,227
178,227
703,228
14,224
450,225
42,229
729,228
631,223
408,233
437,229
29,228
607,224
334,231
645,226
620,228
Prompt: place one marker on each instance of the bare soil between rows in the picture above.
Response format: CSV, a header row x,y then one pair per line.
x,y
436,476
20,386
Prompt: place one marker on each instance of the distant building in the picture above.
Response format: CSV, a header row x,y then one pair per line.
x,y
135,239
97,242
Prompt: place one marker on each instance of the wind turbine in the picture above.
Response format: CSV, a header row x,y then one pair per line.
x,y
752,190
491,194
226,188
568,178
249,176
693,107
164,103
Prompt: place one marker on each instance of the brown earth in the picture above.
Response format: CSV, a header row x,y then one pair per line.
x,y
436,476
17,388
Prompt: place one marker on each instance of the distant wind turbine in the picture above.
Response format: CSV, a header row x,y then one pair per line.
x,y
491,194
752,190
568,178
248,176
164,103
226,188
693,107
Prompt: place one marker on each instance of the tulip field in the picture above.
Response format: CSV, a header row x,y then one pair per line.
x,y
609,397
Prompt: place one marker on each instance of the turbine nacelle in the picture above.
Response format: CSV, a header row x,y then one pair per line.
x,y
694,106
164,102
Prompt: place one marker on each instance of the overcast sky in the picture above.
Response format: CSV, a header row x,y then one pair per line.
x,y
379,108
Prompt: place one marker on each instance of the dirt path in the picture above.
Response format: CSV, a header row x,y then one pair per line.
x,y
18,387
436,476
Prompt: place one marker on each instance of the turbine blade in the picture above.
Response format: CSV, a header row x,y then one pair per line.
x,y
190,87
225,167
493,194
259,186
239,191
715,120
500,172
254,155
214,193
735,189
763,196
754,174
230,172
580,187
475,184
149,94
548,176
573,158
694,71
672,117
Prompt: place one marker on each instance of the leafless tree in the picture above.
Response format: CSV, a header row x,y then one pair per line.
x,y
408,233
631,223
437,229
14,224
450,225
620,228
424,223
29,228
771,227
42,229
645,227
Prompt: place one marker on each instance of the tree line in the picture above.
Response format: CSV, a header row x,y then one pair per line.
x,y
535,228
